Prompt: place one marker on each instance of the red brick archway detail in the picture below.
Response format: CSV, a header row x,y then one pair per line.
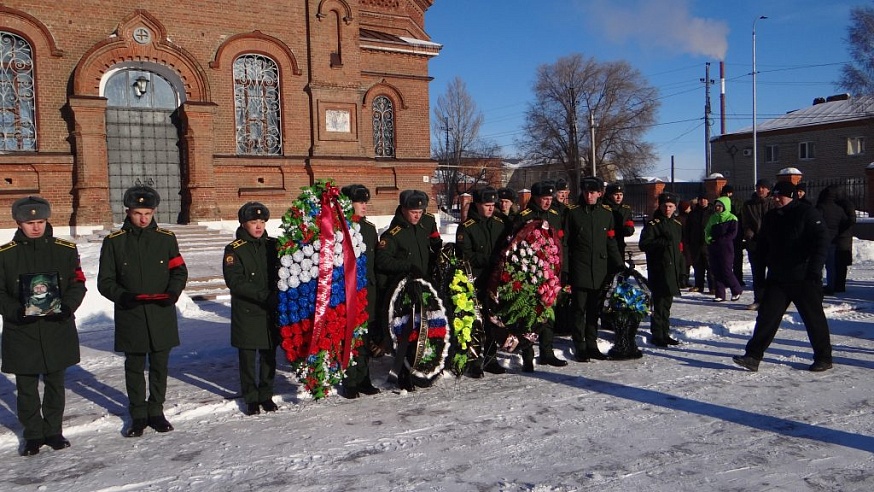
x,y
383,88
27,25
122,48
255,42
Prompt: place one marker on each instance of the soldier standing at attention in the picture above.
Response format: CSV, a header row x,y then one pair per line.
x,y
592,256
539,209
476,241
506,205
249,268
142,272
622,220
357,380
39,346
660,240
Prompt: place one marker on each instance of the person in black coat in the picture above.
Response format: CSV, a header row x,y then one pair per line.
x,y
844,240
835,218
693,238
792,245
752,214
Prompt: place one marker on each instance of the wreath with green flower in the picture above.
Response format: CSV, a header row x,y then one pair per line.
x,y
322,287
428,341
466,320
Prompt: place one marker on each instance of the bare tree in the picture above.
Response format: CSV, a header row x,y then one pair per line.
x,y
465,159
857,76
576,91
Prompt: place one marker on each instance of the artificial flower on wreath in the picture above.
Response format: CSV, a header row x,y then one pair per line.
x,y
429,338
529,277
322,287
629,295
466,321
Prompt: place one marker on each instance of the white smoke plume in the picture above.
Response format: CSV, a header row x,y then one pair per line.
x,y
661,24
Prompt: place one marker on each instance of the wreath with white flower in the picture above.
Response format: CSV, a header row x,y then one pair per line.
x,y
429,336
322,287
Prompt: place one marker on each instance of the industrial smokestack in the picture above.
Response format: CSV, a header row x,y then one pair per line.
x,y
722,97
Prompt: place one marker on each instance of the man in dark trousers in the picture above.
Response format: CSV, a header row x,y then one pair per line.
x,y
249,268
592,256
622,215
39,346
792,245
753,213
660,240
357,380
476,241
142,272
693,238
539,208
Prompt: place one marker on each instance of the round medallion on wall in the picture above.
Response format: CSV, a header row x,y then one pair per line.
x,y
142,35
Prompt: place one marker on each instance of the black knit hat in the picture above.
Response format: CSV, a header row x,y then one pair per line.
x,y
141,197
727,189
485,195
253,211
413,200
356,193
763,183
31,208
784,188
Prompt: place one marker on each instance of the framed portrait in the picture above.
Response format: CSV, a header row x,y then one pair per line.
x,y
40,293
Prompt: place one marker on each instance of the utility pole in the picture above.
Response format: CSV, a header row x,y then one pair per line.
x,y
707,82
592,131
449,194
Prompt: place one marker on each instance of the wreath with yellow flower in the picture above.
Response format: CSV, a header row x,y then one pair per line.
x,y
467,326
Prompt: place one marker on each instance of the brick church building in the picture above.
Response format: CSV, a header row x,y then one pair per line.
x,y
211,103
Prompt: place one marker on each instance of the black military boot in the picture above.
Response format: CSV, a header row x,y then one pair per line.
x,y
528,360
253,408
136,428
160,423
31,447
269,406
367,388
57,442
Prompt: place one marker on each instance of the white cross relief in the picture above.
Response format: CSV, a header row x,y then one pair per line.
x,y
142,35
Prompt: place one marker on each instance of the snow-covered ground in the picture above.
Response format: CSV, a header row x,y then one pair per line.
x,y
683,418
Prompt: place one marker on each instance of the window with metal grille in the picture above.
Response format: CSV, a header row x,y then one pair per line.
x,y
17,94
257,105
383,127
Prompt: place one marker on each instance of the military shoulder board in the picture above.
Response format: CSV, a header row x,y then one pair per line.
x,y
8,245
553,211
165,231
677,221
495,217
571,207
625,206
64,242
396,230
525,212
607,207
429,213
365,221
239,242
654,221
116,233
469,223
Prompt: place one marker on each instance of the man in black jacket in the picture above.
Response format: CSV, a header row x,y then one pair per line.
x,y
753,213
792,245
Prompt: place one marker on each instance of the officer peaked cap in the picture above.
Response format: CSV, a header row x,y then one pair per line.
x,y
413,200
253,211
141,197
485,195
356,193
31,208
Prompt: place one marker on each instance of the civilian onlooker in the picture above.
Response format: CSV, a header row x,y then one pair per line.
x,y
719,234
693,236
844,241
736,206
753,212
834,217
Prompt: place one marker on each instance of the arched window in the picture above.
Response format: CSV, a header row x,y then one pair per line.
x,y
383,127
257,106
17,95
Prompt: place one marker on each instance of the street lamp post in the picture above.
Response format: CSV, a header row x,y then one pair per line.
x,y
755,150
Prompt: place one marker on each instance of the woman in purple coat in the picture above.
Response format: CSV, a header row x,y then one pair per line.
x,y
719,235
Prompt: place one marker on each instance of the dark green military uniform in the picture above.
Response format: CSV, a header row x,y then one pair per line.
x,y
622,221
476,240
145,260
34,346
660,240
406,248
592,256
358,375
249,269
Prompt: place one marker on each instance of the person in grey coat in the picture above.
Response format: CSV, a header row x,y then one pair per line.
x,y
43,345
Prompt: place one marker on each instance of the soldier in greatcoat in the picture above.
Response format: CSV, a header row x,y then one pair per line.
x,y
249,268
661,241
477,241
358,380
43,346
592,256
142,272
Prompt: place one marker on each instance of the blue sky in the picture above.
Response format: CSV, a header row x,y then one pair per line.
x,y
495,46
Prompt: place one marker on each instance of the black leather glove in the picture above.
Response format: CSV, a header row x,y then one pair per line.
x,y
128,300
170,300
64,315
23,319
414,290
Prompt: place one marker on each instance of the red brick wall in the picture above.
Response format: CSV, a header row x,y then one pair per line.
x,y
75,43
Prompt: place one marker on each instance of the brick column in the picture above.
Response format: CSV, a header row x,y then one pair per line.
x,y
465,201
524,196
713,185
199,197
790,174
652,192
90,169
